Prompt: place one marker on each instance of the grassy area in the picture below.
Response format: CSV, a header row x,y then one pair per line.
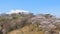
x,y
27,30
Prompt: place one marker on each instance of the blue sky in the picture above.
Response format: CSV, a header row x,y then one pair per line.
x,y
34,6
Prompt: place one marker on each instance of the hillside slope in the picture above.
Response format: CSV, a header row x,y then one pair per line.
x,y
28,30
21,23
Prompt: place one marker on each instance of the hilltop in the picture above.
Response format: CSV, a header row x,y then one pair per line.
x,y
28,23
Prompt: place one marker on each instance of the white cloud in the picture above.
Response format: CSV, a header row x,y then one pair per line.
x,y
17,11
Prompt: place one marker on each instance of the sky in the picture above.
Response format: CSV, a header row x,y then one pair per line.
x,y
34,6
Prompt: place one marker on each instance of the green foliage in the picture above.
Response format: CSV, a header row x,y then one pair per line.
x,y
15,17
3,19
48,15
